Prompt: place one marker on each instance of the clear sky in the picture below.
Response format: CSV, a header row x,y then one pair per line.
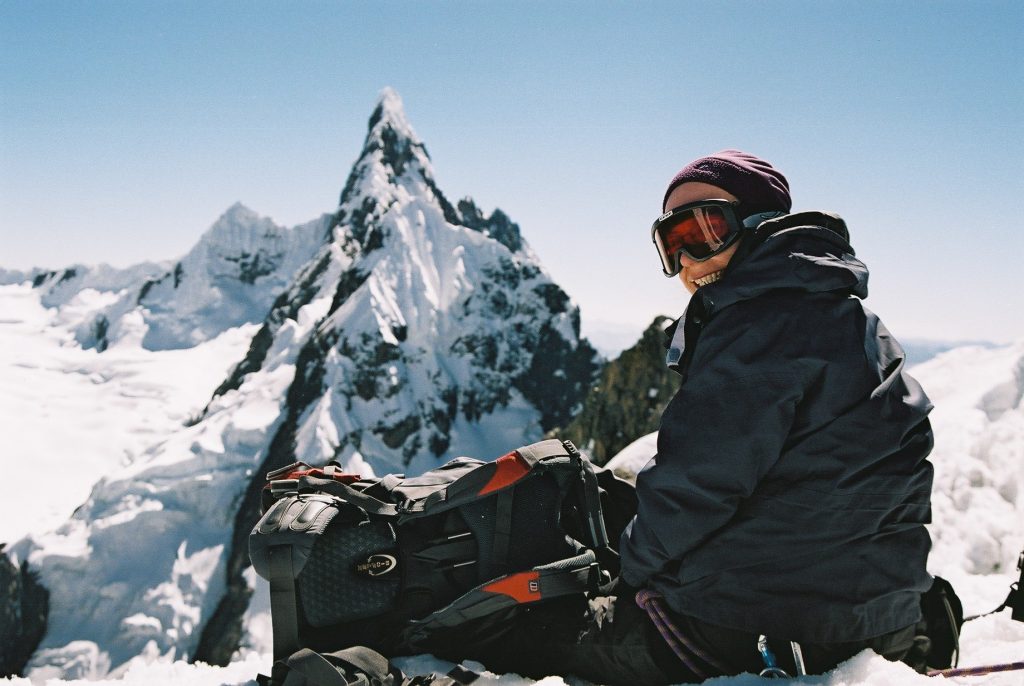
x,y
127,128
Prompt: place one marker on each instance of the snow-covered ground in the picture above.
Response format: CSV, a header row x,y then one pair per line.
x,y
69,416
985,641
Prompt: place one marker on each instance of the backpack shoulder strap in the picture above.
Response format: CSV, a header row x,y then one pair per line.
x,y
565,577
284,615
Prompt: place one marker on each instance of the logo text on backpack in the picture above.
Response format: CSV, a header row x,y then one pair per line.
x,y
377,565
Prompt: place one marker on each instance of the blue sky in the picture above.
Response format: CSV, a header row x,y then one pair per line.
x,y
126,129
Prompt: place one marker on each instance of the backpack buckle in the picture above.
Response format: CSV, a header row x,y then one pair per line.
x,y
283,486
281,471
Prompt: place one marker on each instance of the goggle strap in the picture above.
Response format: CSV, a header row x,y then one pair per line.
x,y
755,220
713,241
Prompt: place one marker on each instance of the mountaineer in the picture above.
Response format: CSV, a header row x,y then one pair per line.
x,y
791,487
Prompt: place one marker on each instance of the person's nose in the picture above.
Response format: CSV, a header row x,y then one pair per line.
x,y
686,262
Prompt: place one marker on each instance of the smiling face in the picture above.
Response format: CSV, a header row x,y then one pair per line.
x,y
697,274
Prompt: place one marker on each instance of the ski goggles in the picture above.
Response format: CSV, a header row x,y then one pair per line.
x,y
700,230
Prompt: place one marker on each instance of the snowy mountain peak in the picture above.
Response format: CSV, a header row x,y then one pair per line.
x,y
392,158
389,111
236,221
422,331
238,212
229,278
395,168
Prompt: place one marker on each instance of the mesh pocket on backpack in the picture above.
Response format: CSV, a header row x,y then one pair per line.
x,y
329,587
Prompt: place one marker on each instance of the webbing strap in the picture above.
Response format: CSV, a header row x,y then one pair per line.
x,y
349,494
309,668
503,526
535,452
284,615
553,583
592,499
365,659
952,625
978,671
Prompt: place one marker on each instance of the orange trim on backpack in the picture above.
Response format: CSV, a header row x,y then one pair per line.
x,y
508,469
523,587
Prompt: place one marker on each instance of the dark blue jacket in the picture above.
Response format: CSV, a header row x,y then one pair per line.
x,y
791,486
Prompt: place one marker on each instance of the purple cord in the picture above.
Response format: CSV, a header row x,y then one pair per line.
x,y
651,603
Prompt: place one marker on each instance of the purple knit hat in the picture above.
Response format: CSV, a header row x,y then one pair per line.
x,y
757,184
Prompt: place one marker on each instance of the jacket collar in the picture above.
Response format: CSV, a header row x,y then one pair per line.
x,y
808,251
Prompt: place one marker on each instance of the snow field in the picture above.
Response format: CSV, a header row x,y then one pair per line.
x,y
75,415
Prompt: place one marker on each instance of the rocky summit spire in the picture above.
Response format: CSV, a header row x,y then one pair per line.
x,y
394,167
390,112
392,155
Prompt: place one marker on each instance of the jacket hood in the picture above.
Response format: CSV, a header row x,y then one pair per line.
x,y
808,251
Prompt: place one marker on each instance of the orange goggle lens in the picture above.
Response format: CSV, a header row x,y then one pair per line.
x,y
699,233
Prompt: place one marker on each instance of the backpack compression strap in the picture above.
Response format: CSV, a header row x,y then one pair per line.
x,y
284,616
345,492
591,498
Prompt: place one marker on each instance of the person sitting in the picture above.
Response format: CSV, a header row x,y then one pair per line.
x,y
788,498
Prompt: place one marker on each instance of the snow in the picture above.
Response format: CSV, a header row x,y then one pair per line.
x,y
978,502
229,278
160,673
150,537
985,641
961,383
634,456
78,415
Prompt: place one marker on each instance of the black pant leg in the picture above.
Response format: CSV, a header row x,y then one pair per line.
x,y
607,641
527,641
621,646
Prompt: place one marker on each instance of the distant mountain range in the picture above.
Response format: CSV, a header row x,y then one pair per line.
x,y
923,349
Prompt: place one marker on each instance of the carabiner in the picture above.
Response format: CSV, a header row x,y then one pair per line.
x,y
771,666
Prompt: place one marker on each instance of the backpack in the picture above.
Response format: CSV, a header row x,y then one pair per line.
x,y
390,563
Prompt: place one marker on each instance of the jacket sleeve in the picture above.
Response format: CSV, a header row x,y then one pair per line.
x,y
719,435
